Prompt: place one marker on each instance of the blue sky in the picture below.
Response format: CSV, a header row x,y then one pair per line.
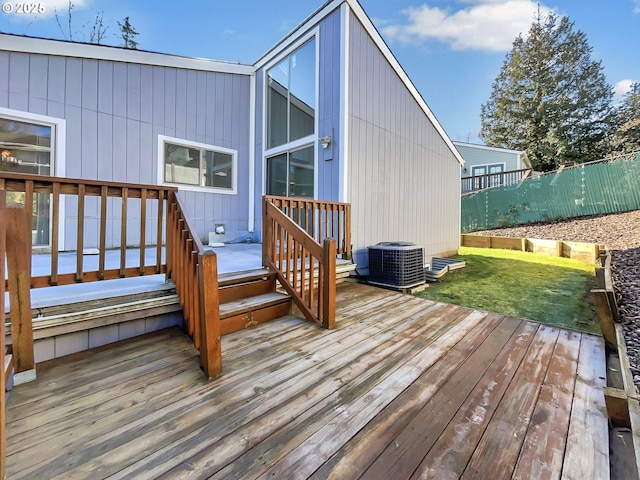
x,y
451,49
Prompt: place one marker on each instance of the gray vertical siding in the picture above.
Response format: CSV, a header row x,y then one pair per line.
x,y
114,112
403,180
328,113
330,53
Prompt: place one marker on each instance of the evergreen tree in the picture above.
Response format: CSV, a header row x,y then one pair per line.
x,y
626,137
128,34
549,98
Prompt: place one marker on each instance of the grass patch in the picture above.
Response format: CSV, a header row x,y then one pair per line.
x,y
550,290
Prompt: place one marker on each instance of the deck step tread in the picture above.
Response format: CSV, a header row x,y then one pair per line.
x,y
232,278
252,303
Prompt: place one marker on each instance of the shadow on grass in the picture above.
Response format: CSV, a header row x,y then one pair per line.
x,y
551,294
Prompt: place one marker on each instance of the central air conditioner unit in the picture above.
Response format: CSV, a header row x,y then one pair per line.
x,y
396,264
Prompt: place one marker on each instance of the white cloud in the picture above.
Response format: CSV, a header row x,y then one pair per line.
x,y
620,89
485,25
636,9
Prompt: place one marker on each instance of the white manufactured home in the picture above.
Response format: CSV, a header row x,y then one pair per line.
x,y
328,113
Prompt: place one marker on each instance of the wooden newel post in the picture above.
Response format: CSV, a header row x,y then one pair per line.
x,y
18,244
329,284
210,343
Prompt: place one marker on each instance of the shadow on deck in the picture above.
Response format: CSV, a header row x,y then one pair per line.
x,y
402,388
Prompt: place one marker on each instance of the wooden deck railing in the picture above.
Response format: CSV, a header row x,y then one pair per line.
x,y
191,266
296,257
81,189
194,271
320,219
480,182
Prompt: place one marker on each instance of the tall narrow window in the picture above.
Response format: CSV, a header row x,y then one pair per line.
x,y
290,99
26,148
291,93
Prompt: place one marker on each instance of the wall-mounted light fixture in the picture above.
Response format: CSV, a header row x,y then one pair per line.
x,y
325,141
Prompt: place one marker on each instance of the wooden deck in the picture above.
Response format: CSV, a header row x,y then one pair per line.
x,y
402,388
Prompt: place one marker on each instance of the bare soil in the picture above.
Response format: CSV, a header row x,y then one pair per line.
x,y
621,234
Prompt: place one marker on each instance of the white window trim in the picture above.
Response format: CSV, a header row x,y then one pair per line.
x,y
162,139
301,142
58,147
487,165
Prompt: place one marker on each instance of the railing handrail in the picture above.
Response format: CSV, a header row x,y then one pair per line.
x,y
294,255
513,176
274,198
12,182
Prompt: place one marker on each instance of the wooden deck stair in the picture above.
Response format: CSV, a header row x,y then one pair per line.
x,y
250,298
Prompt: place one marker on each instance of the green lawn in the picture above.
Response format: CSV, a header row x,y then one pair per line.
x,y
546,289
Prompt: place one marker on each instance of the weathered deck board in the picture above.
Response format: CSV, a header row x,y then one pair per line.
x,y
587,454
402,388
497,452
450,454
546,439
405,453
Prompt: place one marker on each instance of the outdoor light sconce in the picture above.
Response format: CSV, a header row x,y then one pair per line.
x,y
325,141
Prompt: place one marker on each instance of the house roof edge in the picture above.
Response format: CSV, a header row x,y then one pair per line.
x,y
362,16
64,48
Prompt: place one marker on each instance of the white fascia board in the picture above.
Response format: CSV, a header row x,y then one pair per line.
x,y
366,22
294,35
17,43
486,147
343,172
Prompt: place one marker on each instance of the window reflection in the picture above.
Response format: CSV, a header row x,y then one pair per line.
x,y
26,148
291,174
197,166
291,90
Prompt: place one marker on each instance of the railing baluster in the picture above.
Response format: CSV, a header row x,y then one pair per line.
x,y
159,232
103,231
28,212
298,270
55,233
143,228
80,235
303,269
288,257
311,279
123,231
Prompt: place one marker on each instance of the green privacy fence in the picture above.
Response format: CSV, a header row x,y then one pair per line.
x,y
605,186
